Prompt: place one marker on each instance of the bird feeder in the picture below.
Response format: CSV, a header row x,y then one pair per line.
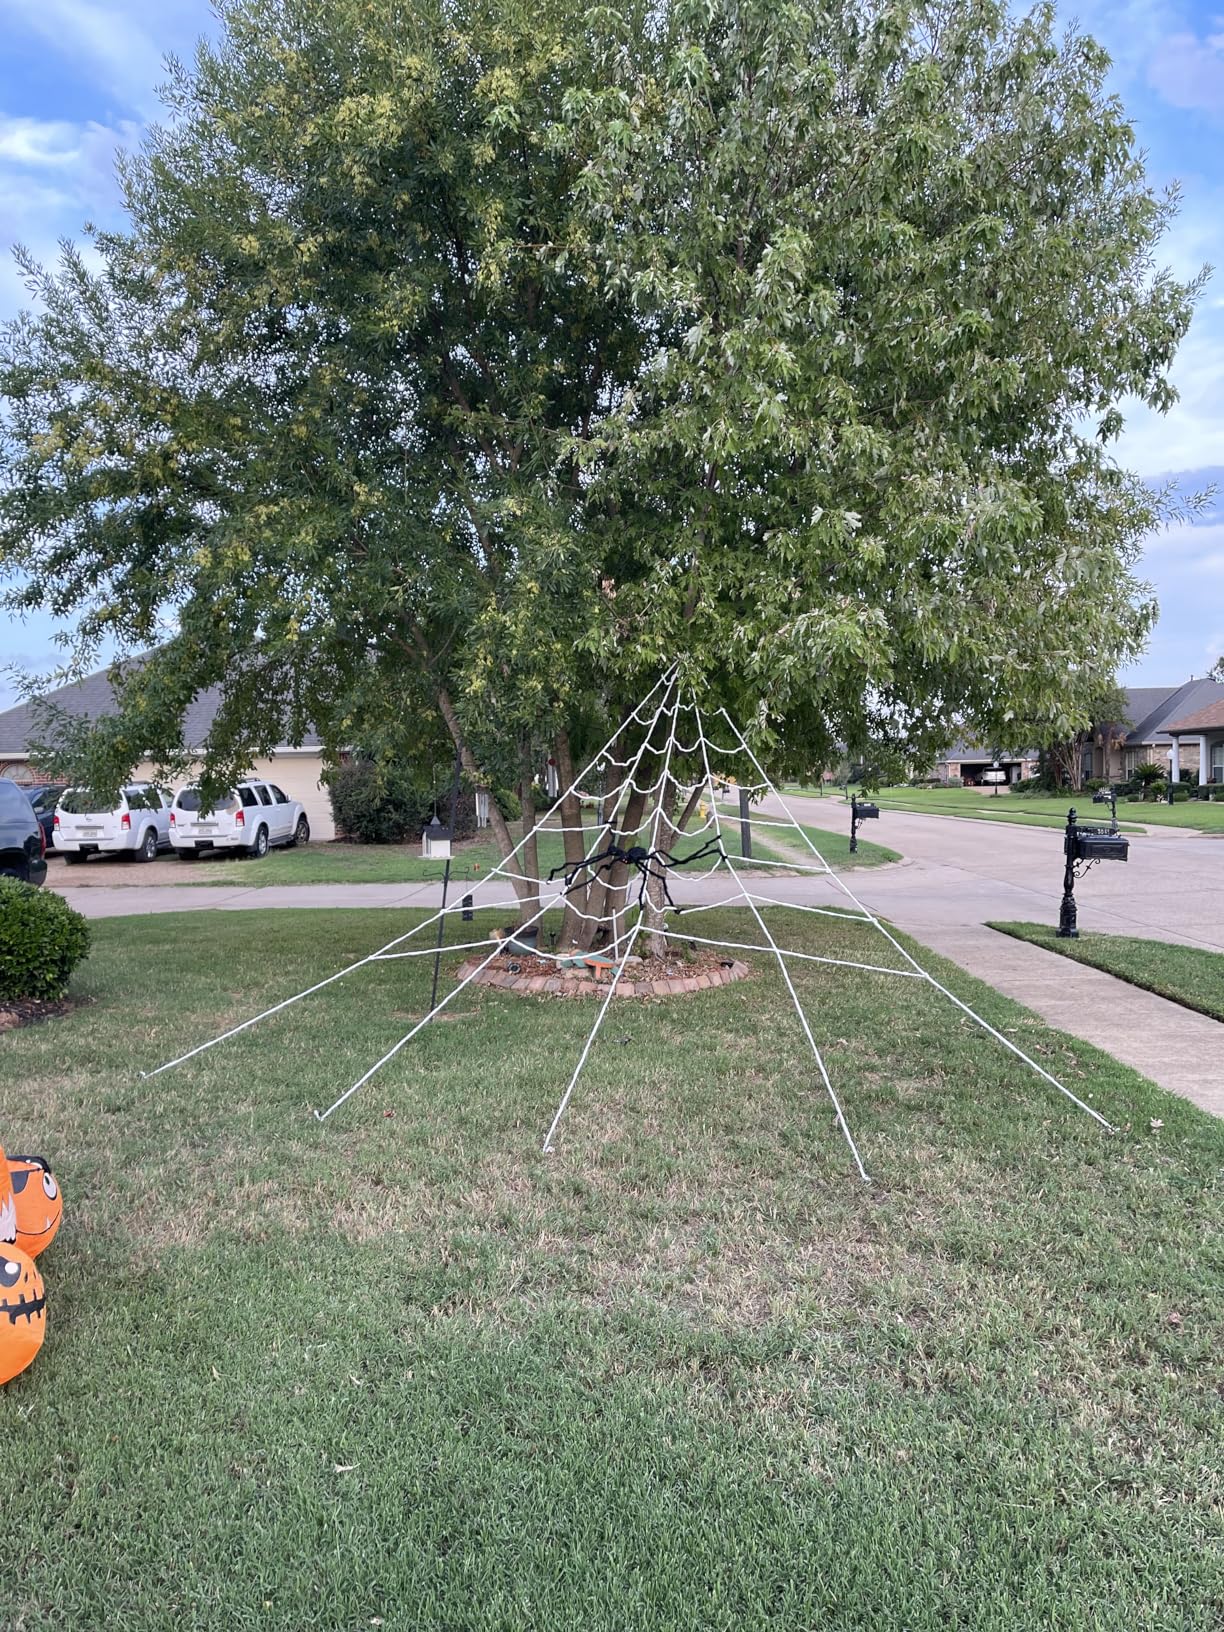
x,y
436,841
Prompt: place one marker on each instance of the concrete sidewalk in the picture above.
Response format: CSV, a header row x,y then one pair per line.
x,y
1175,1047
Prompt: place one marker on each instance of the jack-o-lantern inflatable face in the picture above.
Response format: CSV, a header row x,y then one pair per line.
x,y
23,1311
37,1201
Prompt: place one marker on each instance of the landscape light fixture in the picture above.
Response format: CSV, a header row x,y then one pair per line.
x,y
1083,845
861,810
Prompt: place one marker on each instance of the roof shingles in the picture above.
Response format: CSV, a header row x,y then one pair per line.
x,y
93,697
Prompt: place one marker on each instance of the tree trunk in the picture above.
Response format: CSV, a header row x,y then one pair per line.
x,y
529,855
662,835
573,927
606,898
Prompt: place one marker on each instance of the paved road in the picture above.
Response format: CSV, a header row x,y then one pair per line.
x,y
966,872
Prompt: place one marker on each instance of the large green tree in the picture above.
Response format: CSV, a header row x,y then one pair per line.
x,y
482,357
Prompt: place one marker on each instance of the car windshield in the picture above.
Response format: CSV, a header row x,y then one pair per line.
x,y
193,799
85,802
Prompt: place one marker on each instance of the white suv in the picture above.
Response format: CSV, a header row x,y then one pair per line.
x,y
139,825
253,818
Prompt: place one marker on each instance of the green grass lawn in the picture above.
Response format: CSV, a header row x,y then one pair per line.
x,y
688,1372
340,863
776,844
1187,974
1042,811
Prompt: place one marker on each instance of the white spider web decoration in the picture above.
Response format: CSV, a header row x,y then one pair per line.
x,y
668,716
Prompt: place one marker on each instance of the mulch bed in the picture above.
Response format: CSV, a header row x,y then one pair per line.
x,y
29,1011
654,977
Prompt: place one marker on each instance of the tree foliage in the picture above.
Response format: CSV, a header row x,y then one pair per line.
x,y
475,360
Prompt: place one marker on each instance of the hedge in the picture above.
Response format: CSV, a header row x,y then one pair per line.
x,y
41,942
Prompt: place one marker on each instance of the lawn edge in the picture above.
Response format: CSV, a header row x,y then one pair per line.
x,y
1006,928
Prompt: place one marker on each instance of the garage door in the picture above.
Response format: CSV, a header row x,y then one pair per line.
x,y
298,775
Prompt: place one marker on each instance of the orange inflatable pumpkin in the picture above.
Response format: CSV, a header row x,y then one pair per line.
x,y
37,1201
23,1311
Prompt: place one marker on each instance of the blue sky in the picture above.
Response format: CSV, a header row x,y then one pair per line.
x,y
78,79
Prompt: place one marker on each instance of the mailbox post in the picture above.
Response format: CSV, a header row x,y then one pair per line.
x,y
1087,844
861,810
1067,930
745,815
1108,796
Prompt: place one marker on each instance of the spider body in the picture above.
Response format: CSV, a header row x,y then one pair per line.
x,y
649,864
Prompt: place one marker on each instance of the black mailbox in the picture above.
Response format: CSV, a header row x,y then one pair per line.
x,y
865,810
1096,844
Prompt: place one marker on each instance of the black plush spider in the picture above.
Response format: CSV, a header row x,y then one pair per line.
x,y
649,863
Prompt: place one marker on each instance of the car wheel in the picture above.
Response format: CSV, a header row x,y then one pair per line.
x,y
261,843
188,855
73,857
301,833
148,846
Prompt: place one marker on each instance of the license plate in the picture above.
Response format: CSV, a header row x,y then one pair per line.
x,y
90,832
206,827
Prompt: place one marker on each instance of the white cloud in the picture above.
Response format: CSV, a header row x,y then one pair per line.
x,y
1188,72
121,45
1191,435
38,141
1187,545
54,176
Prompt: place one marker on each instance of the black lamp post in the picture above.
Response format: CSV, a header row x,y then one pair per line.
x,y
860,811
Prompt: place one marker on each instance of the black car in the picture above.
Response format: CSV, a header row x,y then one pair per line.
x,y
44,799
23,848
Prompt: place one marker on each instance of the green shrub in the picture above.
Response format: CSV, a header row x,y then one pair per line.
x,y
1149,774
377,804
1180,794
41,942
1093,784
509,803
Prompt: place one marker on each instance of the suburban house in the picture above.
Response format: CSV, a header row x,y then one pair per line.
x,y
1200,735
1115,751
296,769
970,762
